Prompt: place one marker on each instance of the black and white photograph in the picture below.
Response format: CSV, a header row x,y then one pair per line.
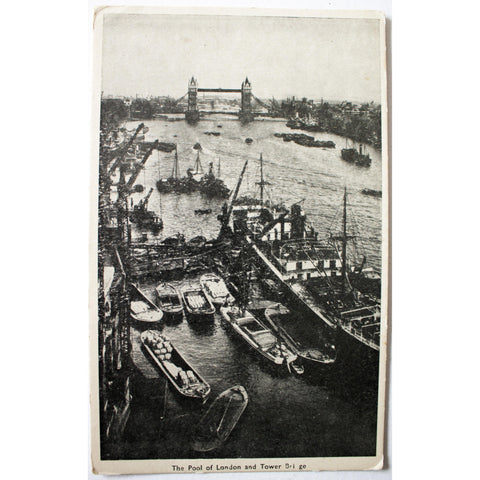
x,y
240,260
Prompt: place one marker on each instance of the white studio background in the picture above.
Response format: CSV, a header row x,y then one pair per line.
x,y
46,133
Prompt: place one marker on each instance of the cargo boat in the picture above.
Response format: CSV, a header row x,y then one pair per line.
x,y
299,340
223,414
372,193
216,289
142,309
196,301
179,372
169,300
259,336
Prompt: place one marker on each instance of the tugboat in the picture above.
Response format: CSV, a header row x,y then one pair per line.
x,y
212,186
357,157
196,173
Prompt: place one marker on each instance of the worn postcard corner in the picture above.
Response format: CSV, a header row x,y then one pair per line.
x,y
239,248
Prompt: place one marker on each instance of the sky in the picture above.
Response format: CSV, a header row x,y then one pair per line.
x,y
156,54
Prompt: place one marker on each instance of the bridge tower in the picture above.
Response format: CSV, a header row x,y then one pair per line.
x,y
192,114
246,114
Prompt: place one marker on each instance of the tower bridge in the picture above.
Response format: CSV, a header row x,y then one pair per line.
x,y
246,113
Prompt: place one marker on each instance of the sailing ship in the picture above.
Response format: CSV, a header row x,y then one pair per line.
x,y
171,183
217,424
196,180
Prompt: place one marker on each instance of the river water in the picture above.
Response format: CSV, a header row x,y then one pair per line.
x,y
294,171
325,412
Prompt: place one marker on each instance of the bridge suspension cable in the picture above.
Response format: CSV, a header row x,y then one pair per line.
x,y
263,104
181,98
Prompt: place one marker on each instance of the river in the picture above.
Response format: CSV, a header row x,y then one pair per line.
x,y
294,171
323,413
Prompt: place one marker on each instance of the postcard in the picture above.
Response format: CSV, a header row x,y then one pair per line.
x,y
240,258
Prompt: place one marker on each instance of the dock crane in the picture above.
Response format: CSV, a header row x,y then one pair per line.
x,y
125,188
225,218
123,151
143,204
144,217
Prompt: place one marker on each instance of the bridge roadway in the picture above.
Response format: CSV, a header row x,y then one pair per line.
x,y
221,90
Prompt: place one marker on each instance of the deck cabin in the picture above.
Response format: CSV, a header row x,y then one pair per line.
x,y
305,259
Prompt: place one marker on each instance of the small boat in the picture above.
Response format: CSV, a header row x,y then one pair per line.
x,y
357,157
142,309
298,338
197,242
258,336
175,241
178,371
203,211
372,193
196,301
223,414
169,299
216,289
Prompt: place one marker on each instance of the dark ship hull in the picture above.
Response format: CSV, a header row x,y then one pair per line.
x,y
351,155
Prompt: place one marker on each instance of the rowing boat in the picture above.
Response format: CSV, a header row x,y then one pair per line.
x,y
223,414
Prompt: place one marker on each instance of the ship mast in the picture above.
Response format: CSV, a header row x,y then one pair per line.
x,y
175,164
344,242
262,182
